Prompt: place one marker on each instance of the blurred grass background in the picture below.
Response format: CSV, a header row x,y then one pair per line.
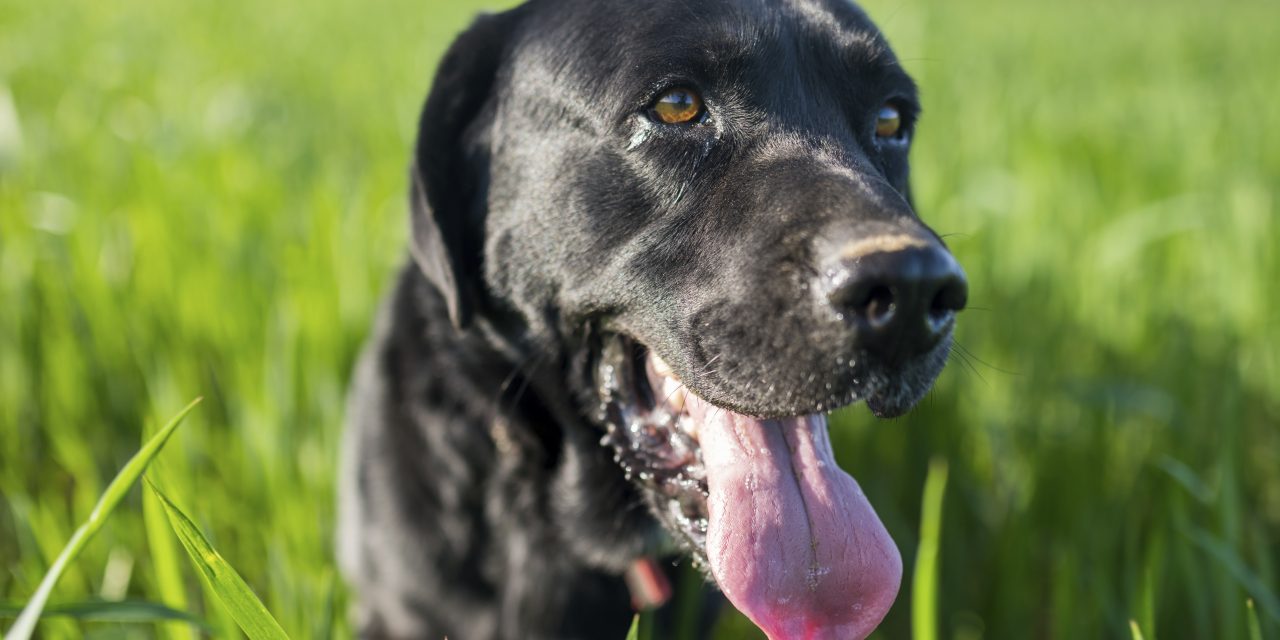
x,y
207,198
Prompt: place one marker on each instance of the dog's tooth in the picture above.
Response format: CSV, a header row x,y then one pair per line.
x,y
689,426
660,366
675,393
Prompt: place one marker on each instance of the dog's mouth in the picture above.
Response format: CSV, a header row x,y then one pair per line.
x,y
760,503
644,409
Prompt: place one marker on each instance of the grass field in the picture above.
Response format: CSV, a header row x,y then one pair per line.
x,y
207,198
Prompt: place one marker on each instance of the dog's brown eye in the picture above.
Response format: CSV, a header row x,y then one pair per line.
x,y
678,106
888,121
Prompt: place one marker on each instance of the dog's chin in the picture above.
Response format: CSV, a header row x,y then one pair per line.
x,y
902,388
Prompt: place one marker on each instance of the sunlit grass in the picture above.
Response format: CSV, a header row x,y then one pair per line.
x,y
222,579
924,580
208,199
25,625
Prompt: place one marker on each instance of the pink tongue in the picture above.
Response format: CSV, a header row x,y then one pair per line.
x,y
793,542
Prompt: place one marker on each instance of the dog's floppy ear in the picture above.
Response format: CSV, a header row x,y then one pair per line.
x,y
447,204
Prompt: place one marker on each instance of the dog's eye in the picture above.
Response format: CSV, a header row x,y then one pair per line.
x,y
888,122
677,106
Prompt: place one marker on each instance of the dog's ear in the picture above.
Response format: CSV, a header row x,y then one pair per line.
x,y
447,201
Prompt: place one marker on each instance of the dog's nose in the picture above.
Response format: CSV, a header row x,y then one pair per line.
x,y
900,293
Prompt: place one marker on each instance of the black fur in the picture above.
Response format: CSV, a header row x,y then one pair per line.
x,y
549,212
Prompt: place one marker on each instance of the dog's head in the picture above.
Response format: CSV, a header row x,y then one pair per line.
x,y
711,200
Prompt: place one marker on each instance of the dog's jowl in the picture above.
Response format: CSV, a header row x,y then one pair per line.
x,y
652,245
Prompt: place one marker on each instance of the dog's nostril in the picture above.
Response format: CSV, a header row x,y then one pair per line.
x,y
879,306
899,301
951,297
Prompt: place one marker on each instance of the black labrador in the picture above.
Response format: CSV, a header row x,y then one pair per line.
x,y
653,244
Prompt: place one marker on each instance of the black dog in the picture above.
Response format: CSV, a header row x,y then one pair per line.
x,y
654,242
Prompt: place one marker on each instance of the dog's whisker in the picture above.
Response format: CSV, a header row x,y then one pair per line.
x,y
515,371
673,393
982,362
524,386
964,360
527,365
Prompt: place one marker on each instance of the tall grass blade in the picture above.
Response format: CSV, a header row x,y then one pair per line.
x,y
123,611
115,492
924,590
634,633
1135,630
166,565
236,595
1263,596
1255,627
164,562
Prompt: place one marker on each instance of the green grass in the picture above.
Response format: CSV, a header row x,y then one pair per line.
x,y
207,198
236,596
25,625
924,580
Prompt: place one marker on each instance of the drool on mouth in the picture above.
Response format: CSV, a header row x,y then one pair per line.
x,y
761,504
655,440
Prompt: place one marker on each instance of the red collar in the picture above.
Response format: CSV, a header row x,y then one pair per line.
x,y
649,586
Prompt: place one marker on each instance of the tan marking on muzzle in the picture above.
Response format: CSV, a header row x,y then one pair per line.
x,y
882,244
